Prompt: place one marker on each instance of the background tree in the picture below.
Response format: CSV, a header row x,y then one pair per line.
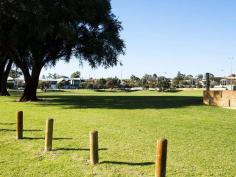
x,y
15,72
40,33
200,76
75,74
54,76
211,76
43,77
155,76
189,81
88,84
149,81
178,80
63,84
100,83
135,81
43,85
163,83
113,83
145,81
213,81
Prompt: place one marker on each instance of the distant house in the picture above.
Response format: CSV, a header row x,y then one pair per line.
x,y
229,83
52,83
70,83
63,83
136,88
18,83
10,79
75,82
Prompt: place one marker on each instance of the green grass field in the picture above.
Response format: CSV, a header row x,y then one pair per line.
x,y
202,139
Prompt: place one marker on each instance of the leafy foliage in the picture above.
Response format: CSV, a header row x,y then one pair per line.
x,y
75,74
36,34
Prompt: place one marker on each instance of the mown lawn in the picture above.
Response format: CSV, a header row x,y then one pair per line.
x,y
202,139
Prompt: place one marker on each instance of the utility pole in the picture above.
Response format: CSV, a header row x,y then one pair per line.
x,y
231,65
231,71
121,72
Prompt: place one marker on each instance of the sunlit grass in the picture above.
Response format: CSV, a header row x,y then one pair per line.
x,y
202,139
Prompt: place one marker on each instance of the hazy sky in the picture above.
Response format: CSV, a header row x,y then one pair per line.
x,y
167,36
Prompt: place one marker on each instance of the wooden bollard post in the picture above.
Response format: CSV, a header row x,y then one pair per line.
x,y
48,135
19,125
94,159
161,156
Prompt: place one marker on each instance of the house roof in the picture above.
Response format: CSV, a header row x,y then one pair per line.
x,y
230,78
10,78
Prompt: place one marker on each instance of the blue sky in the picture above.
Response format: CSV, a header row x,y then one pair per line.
x,y
167,36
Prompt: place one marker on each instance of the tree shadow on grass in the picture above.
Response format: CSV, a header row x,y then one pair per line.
x,y
52,90
13,130
7,123
114,91
77,149
36,130
128,163
121,102
7,130
41,138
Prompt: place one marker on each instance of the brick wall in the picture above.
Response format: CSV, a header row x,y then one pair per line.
x,y
220,98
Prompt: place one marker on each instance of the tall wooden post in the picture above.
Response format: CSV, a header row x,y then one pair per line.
x,y
161,156
94,159
208,81
19,125
48,135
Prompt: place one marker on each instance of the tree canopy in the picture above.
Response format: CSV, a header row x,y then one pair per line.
x,y
75,74
36,34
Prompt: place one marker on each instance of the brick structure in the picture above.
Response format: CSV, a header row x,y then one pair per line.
x,y
220,98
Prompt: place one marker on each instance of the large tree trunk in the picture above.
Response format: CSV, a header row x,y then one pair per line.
x,y
31,84
4,73
1,76
4,91
30,92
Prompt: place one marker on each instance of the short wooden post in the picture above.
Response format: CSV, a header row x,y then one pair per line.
x,y
208,81
48,135
161,156
19,125
94,159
